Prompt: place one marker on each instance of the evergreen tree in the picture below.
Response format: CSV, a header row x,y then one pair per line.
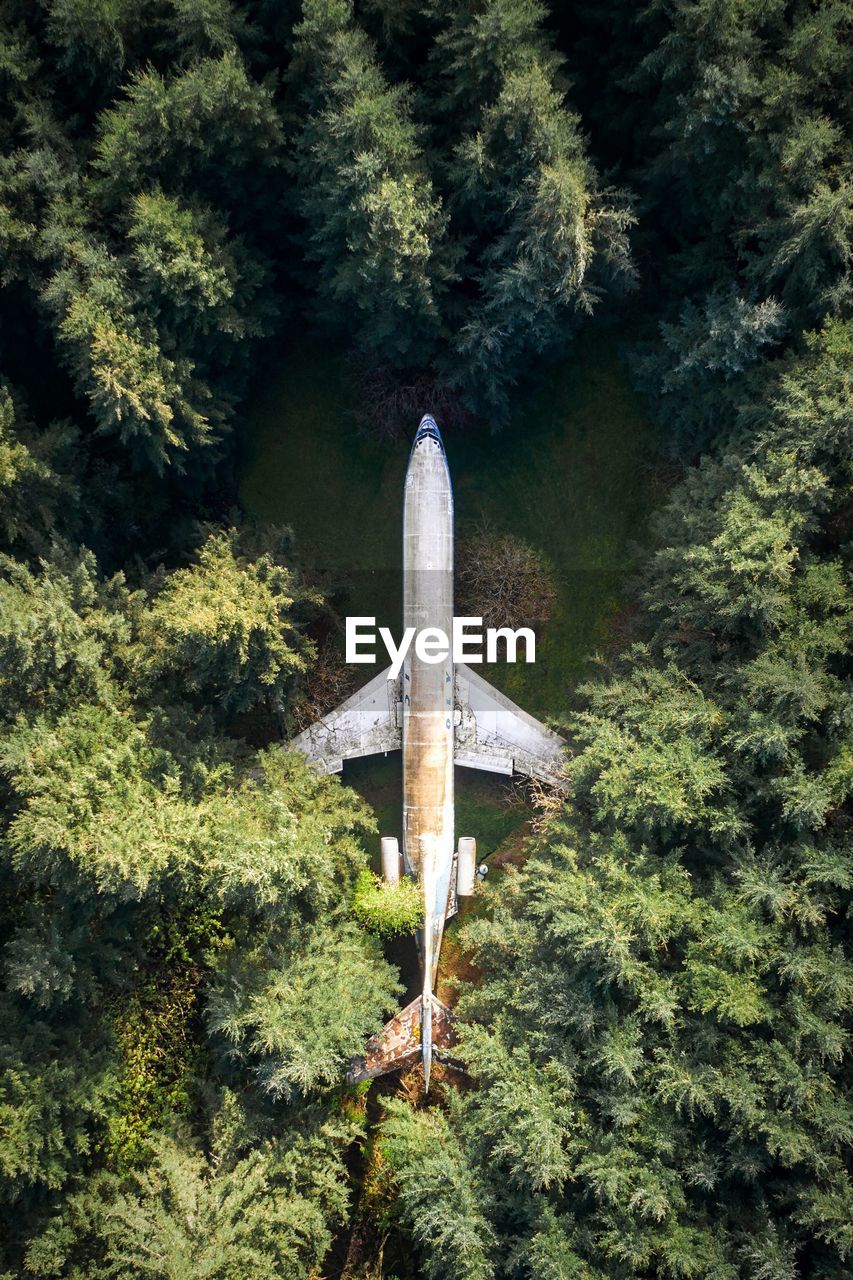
x,y
373,225
224,628
440,1198
171,904
660,1045
230,1213
294,1014
543,238
210,132
37,476
95,39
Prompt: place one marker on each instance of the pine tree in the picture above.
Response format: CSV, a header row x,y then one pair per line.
x,y
373,225
659,1045
257,1214
224,629
209,132
542,238
439,1197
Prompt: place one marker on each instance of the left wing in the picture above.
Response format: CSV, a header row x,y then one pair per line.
x,y
368,722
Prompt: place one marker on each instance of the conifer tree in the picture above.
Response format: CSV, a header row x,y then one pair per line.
x,y
374,227
660,1044
224,628
543,237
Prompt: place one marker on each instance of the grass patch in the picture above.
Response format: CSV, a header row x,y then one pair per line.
x,y
481,802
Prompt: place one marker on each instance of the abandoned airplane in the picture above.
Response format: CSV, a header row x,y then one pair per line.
x,y
440,714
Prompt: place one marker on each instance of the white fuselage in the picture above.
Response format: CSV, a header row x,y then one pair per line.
x,y
427,688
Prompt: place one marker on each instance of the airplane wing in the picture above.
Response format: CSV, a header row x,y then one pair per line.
x,y
493,734
368,722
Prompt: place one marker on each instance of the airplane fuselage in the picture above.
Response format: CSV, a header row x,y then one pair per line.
x,y
427,698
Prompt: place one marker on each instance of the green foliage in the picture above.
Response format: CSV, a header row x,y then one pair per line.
x,y
650,754
201,28
476,50
203,131
296,1015
144,858
225,627
661,1040
658,1050
742,151
749,100
93,36
204,285
160,1050
692,371
101,799
439,1197
178,285
31,485
56,1087
387,909
59,632
135,390
542,238
374,227
528,1121
186,1214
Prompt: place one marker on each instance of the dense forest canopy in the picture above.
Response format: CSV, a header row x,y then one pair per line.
x,y
658,1040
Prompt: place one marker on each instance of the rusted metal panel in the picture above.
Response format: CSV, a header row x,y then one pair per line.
x,y
398,1044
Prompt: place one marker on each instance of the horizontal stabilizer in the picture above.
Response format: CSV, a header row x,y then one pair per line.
x,y
398,1044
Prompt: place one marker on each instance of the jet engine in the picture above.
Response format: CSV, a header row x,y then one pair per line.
x,y
392,860
466,866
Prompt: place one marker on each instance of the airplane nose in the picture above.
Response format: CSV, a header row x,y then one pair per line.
x,y
428,427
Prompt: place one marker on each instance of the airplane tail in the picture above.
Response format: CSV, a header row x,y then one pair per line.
x,y
426,1036
425,1027
418,1031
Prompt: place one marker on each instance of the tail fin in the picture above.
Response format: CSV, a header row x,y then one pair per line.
x,y
408,1036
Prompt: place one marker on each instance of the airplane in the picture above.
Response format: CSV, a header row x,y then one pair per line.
x,y
439,714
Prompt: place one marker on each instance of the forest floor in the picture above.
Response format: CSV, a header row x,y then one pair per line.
x,y
576,475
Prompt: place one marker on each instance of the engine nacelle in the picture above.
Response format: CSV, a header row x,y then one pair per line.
x,y
466,866
392,862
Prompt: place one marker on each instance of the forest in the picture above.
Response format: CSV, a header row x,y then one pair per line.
x,y
456,200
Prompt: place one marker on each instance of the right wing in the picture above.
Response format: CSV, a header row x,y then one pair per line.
x,y
368,722
494,734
